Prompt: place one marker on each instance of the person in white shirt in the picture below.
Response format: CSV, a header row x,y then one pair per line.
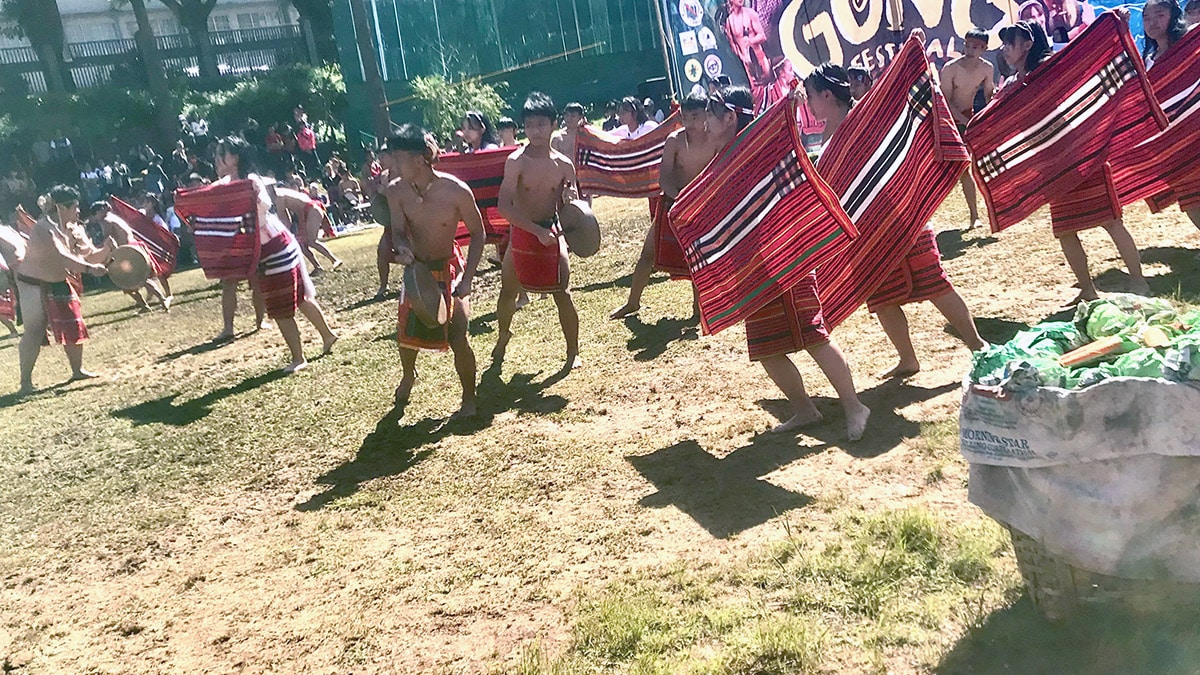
x,y
635,123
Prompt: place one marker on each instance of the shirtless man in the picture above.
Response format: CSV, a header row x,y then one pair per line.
x,y
685,154
426,207
57,252
538,181
564,139
115,227
961,79
310,217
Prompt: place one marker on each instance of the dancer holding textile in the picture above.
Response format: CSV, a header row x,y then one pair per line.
x,y
48,284
282,277
915,277
310,218
564,139
1094,202
538,181
506,132
477,132
686,153
792,322
635,123
962,79
114,227
426,207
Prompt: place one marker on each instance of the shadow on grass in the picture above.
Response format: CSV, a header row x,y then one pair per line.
x,y
998,331
391,448
1183,281
60,389
953,244
131,312
649,341
202,348
1017,639
620,282
165,410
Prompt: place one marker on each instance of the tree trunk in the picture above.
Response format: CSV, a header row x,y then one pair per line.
x,y
376,96
206,58
168,124
54,70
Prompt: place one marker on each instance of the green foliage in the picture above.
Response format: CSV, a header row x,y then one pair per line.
x,y
443,103
270,97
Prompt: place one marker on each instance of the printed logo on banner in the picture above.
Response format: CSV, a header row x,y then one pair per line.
x,y
713,65
692,12
687,43
698,90
708,40
693,70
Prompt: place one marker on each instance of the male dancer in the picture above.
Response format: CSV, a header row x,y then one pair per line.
x,y
564,139
426,207
686,152
113,226
962,78
310,217
538,181
58,251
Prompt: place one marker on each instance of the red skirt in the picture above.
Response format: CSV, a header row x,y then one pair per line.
x,y
1091,204
282,277
8,305
537,265
918,277
668,254
64,313
411,332
788,324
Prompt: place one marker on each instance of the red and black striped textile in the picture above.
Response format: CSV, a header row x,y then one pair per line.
x,y
223,218
25,222
1159,168
608,166
483,172
159,241
757,220
893,161
1041,137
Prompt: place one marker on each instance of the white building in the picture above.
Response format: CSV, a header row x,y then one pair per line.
x,y
91,20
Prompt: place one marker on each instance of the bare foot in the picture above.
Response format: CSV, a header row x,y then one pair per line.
x,y
975,224
82,375
380,295
295,367
573,362
522,299
856,421
501,346
336,264
800,419
264,325
328,345
404,390
1139,287
25,390
318,271
223,336
901,371
1081,297
466,410
624,311
167,303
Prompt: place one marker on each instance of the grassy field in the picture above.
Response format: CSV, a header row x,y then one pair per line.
x,y
195,511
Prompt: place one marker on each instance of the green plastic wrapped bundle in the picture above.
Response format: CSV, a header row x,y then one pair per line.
x,y
1182,360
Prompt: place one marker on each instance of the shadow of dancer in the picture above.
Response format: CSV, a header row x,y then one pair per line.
x,y
649,341
165,410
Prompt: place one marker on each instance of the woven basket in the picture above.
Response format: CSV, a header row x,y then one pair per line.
x,y
1059,589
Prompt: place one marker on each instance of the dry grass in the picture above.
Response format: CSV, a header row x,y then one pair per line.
x,y
193,511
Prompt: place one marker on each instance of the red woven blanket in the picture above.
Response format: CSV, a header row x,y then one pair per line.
x,y
899,137
223,219
1145,172
606,165
483,172
757,220
1041,137
25,222
162,244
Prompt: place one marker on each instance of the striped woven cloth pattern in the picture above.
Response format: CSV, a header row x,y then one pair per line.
x,y
162,245
25,222
223,221
757,220
893,161
1157,168
482,172
1041,137
608,166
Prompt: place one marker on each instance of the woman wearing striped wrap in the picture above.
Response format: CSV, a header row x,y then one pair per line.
x,y
918,275
792,322
282,276
1094,202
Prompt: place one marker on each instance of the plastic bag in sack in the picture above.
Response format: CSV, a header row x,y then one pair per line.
x,y
1044,341
1182,361
1144,362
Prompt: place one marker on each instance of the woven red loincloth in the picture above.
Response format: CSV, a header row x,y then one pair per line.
x,y
787,324
537,266
411,332
159,242
918,277
757,220
1042,137
64,313
608,166
893,160
224,230
282,278
668,254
